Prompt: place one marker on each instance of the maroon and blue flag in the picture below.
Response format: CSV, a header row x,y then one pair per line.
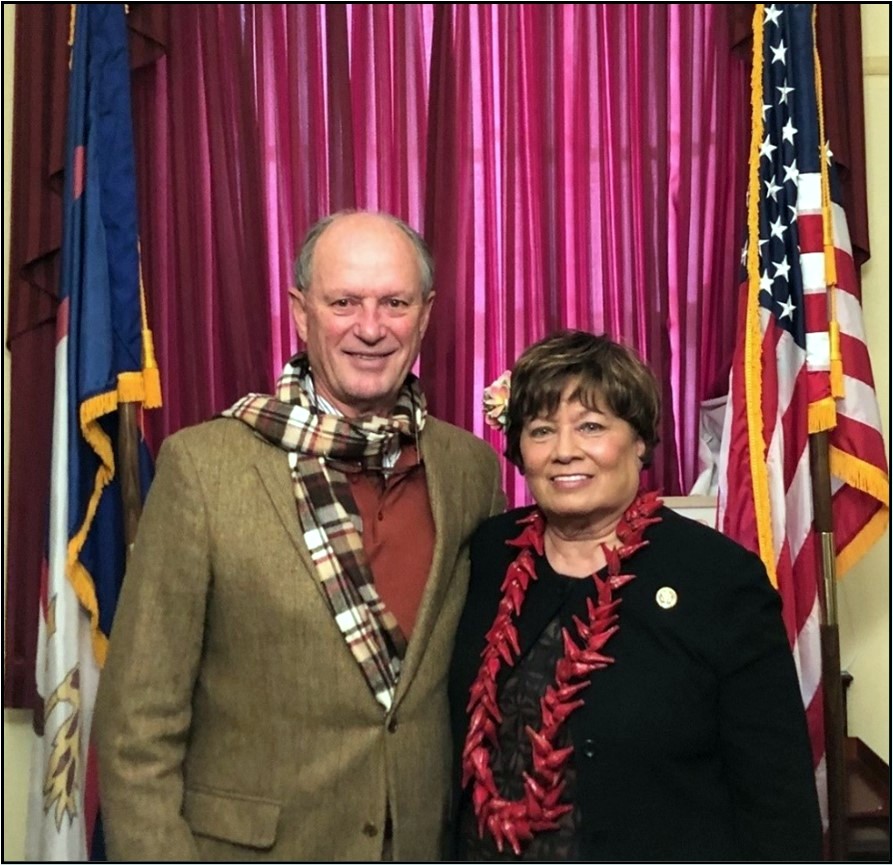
x,y
104,358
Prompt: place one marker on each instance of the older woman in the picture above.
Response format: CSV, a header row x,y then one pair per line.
x,y
622,686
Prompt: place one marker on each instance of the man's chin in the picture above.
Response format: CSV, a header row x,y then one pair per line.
x,y
370,399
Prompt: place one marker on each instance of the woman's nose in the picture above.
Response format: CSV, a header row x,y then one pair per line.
x,y
565,443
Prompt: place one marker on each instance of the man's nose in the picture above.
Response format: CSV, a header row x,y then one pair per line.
x,y
368,325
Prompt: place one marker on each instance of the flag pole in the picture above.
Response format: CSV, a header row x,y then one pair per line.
x,y
832,684
129,433
129,470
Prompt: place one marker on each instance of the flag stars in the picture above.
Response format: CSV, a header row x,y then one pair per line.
x,y
767,148
783,89
778,53
828,152
766,283
782,269
787,309
788,131
791,173
772,188
772,15
778,228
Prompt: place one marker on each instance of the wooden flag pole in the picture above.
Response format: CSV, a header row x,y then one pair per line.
x,y
129,470
832,684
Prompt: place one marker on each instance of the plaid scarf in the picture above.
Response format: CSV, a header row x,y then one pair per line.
x,y
318,445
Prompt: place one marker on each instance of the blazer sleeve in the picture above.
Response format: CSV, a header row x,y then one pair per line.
x,y
497,495
144,704
764,740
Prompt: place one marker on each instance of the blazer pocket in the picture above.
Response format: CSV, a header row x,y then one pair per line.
x,y
245,820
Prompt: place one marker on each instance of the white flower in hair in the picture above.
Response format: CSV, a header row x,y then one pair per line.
x,y
496,401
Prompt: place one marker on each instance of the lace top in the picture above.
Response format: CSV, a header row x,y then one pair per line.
x,y
519,702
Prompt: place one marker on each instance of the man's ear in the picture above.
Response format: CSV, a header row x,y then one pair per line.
x,y
298,300
427,303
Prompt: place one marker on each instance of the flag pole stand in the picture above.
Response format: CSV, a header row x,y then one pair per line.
x,y
832,684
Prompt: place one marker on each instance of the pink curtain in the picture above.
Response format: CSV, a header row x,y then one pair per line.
x,y
586,170
568,163
204,239
573,164
341,95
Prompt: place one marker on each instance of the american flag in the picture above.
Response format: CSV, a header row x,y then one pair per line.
x,y
801,365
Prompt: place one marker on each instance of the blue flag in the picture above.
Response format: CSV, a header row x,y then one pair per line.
x,y
104,359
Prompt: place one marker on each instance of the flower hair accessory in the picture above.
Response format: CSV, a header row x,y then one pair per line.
x,y
496,401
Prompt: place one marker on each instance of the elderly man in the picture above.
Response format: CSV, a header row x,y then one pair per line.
x,y
276,681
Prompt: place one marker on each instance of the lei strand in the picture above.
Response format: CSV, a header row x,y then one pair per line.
x,y
540,807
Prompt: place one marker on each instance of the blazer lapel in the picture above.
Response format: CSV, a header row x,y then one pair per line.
x,y
276,478
544,599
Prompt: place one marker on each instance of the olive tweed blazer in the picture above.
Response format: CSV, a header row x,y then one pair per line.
x,y
232,721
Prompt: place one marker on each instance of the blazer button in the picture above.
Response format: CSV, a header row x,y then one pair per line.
x,y
589,747
370,829
392,725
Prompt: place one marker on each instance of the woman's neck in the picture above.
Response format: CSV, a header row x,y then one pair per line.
x,y
575,549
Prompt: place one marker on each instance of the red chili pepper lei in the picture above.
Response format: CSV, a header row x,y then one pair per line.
x,y
539,809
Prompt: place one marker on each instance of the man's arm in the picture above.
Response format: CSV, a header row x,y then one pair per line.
x,y
144,706
497,495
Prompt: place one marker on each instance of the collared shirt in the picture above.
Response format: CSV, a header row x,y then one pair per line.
x,y
398,526
398,533
389,459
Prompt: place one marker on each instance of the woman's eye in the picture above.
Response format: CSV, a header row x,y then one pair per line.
x,y
591,426
538,432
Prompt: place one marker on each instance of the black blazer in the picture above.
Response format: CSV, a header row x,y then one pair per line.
x,y
693,745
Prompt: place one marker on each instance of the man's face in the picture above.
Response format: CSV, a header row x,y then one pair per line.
x,y
362,316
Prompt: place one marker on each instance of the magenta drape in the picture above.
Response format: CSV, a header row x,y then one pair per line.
x,y
572,165
341,95
586,170
204,238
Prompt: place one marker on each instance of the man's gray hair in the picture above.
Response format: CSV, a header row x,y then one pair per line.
x,y
304,262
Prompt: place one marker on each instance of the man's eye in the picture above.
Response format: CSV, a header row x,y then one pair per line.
x,y
341,303
396,303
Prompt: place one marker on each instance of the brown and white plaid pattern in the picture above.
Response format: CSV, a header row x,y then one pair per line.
x,y
317,445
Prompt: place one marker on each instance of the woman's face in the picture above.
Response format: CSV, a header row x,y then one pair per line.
x,y
581,462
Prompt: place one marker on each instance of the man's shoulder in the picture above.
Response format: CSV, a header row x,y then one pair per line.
x,y
440,431
213,437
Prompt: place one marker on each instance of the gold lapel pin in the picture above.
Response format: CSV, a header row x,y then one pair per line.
x,y
666,597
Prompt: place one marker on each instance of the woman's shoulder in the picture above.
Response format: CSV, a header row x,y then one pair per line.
x,y
488,544
503,526
675,523
682,543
